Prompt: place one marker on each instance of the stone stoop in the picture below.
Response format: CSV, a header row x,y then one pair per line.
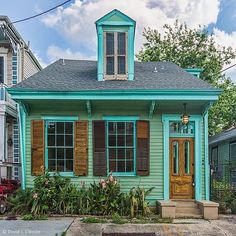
x,y
186,208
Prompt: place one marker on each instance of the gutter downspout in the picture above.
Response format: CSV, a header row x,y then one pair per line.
x,y
22,117
207,164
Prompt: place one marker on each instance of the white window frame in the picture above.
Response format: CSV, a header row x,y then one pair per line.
x,y
5,67
116,76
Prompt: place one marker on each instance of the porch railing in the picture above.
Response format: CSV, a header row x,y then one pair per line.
x,y
6,97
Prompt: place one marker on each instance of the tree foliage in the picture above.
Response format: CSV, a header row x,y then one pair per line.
x,y
191,48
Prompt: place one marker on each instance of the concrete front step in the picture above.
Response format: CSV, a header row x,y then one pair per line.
x,y
188,210
188,215
185,203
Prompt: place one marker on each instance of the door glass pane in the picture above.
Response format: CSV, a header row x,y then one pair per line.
x,y
175,156
109,43
121,65
110,65
121,44
187,157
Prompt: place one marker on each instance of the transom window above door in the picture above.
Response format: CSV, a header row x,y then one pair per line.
x,y
121,147
177,128
115,55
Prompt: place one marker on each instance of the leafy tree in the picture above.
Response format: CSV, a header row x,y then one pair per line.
x,y
191,48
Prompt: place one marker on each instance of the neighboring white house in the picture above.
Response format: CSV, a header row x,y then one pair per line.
x,y
17,63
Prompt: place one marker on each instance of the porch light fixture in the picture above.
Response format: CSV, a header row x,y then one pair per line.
x,y
185,116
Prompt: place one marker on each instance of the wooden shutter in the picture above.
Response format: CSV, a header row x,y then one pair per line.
x,y
37,147
81,148
99,148
142,158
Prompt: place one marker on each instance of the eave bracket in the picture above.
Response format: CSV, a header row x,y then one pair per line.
x,y
89,108
151,109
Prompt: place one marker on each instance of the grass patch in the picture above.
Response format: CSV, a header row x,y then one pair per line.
x,y
117,219
153,219
34,217
94,220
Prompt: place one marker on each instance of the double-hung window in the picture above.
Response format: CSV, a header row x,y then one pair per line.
x,y
115,53
2,71
121,147
59,146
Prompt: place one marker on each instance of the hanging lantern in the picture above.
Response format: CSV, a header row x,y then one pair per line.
x,y
185,116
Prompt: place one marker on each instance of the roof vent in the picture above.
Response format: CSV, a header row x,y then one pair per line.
x,y
155,70
63,62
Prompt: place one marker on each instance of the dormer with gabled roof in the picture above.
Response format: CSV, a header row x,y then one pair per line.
x,y
115,33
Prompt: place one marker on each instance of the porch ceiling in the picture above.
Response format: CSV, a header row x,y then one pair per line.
x,y
193,107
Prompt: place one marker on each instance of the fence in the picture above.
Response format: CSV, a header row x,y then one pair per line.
x,y
223,172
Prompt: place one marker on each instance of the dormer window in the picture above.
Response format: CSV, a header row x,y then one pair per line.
x,y
115,33
115,55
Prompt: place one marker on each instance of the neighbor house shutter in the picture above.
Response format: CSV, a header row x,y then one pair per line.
x,y
142,158
37,147
99,148
81,148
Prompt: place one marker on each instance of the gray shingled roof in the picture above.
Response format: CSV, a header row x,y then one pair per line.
x,y
226,135
77,75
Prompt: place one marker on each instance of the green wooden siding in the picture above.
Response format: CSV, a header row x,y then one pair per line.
x,y
155,179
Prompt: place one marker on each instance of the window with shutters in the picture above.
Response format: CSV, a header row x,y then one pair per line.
x,y
121,147
59,146
115,55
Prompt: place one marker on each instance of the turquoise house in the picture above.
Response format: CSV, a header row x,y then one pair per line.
x,y
146,122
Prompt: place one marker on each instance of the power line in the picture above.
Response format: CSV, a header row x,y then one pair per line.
x,y
44,12
227,68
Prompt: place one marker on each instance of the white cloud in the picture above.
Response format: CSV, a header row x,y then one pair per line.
x,y
40,60
54,53
228,40
76,22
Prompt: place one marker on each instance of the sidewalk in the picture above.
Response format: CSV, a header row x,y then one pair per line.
x,y
225,226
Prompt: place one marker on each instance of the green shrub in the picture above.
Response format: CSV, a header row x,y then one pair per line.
x,y
105,197
22,201
57,195
138,203
222,192
233,206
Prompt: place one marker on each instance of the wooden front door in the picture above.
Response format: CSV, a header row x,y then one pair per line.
x,y
181,168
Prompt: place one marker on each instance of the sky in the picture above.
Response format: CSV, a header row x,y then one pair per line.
x,y
69,31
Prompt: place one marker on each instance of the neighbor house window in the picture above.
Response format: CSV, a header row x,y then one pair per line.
x,y
233,151
59,146
121,147
1,69
214,158
115,55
